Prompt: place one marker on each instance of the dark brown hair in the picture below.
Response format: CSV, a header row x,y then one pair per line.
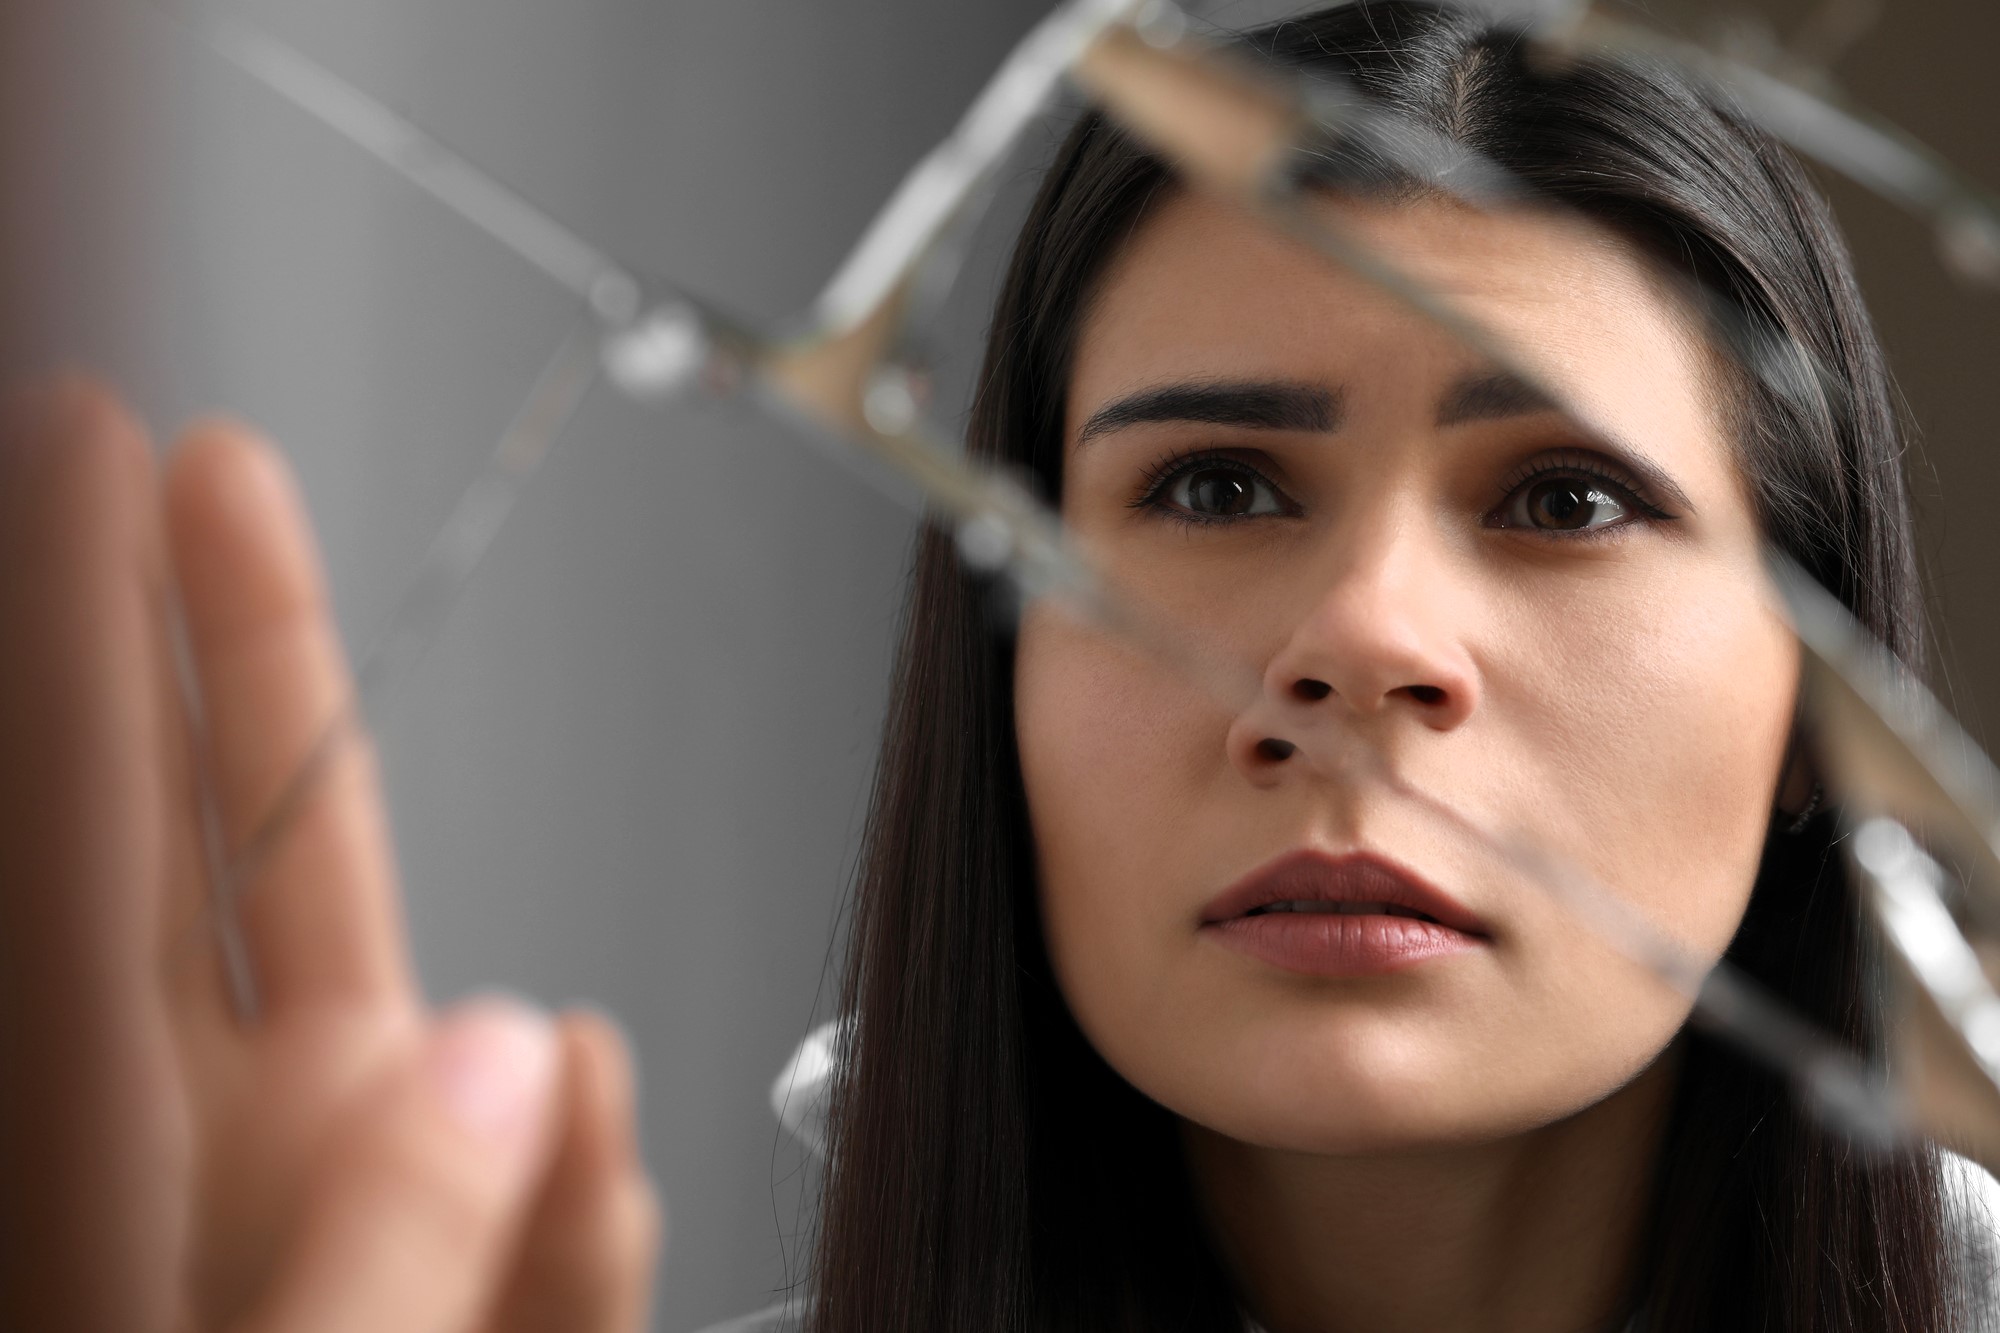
x,y
988,1170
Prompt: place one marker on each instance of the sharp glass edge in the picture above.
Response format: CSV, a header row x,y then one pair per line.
x,y
1965,786
1900,730
935,190
421,608
238,966
1326,105
1907,887
397,142
1876,154
892,246
1726,1000
483,508
1904,887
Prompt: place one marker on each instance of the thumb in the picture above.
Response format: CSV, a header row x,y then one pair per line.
x,y
412,1212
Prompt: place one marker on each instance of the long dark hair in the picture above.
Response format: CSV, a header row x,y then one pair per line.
x,y
988,1171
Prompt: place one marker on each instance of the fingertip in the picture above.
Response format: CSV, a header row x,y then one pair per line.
x,y
224,471
237,522
603,1082
493,1063
600,1039
75,423
587,1260
64,403
218,432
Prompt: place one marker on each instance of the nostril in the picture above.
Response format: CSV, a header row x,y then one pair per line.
x,y
1426,694
1275,750
1311,690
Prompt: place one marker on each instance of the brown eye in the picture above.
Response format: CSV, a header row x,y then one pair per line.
x,y
1564,504
1218,492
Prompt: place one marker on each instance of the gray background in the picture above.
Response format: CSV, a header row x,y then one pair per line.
x,y
633,770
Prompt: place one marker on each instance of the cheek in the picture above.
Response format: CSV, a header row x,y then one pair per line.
x,y
1124,768
1646,728
1115,755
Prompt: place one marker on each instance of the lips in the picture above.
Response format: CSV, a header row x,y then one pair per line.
x,y
1340,916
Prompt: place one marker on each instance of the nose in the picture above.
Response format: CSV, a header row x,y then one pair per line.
x,y
1380,645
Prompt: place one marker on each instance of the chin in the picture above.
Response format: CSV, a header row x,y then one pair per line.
x,y
1366,1089
1370,1121
1359,1100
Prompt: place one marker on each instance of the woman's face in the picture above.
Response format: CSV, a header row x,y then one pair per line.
x,y
1409,553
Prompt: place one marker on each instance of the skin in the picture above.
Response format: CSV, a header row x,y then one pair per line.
x,y
1463,1143
351,1160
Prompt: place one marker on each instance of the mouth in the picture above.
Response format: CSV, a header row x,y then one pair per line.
x,y
1357,884
1352,915
1341,909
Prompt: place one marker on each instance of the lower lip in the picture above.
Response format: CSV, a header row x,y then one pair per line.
x,y
1330,944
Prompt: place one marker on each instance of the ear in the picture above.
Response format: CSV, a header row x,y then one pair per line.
x,y
1797,780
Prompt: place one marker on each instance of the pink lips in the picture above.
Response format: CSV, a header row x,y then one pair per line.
x,y
1354,915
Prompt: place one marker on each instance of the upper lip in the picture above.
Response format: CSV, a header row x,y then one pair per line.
x,y
1307,875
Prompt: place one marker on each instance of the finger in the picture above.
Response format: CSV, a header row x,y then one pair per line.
x,y
586,1261
415,1207
93,1140
320,906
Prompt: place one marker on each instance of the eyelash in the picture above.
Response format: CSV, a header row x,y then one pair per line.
x,y
1625,488
1161,474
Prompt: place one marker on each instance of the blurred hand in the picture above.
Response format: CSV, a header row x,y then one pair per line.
x,y
349,1162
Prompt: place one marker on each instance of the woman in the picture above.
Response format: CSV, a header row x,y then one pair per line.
x,y
1542,632
1166,1016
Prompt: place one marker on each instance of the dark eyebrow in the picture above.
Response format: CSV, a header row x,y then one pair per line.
x,y
1486,395
1258,404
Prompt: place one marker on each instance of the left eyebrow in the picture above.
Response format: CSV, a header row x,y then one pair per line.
x,y
1257,404
1489,396
1493,395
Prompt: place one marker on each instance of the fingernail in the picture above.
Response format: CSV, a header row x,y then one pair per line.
x,y
493,1064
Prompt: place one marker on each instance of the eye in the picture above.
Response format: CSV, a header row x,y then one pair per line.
x,y
1564,504
1212,490
1568,495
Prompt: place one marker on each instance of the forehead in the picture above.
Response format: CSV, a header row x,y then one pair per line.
x,y
1203,291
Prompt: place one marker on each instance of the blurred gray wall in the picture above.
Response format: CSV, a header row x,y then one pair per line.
x,y
632,770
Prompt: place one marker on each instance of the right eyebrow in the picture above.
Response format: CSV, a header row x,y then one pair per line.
x,y
1259,404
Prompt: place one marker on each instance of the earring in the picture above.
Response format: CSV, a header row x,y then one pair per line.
x,y
1803,817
